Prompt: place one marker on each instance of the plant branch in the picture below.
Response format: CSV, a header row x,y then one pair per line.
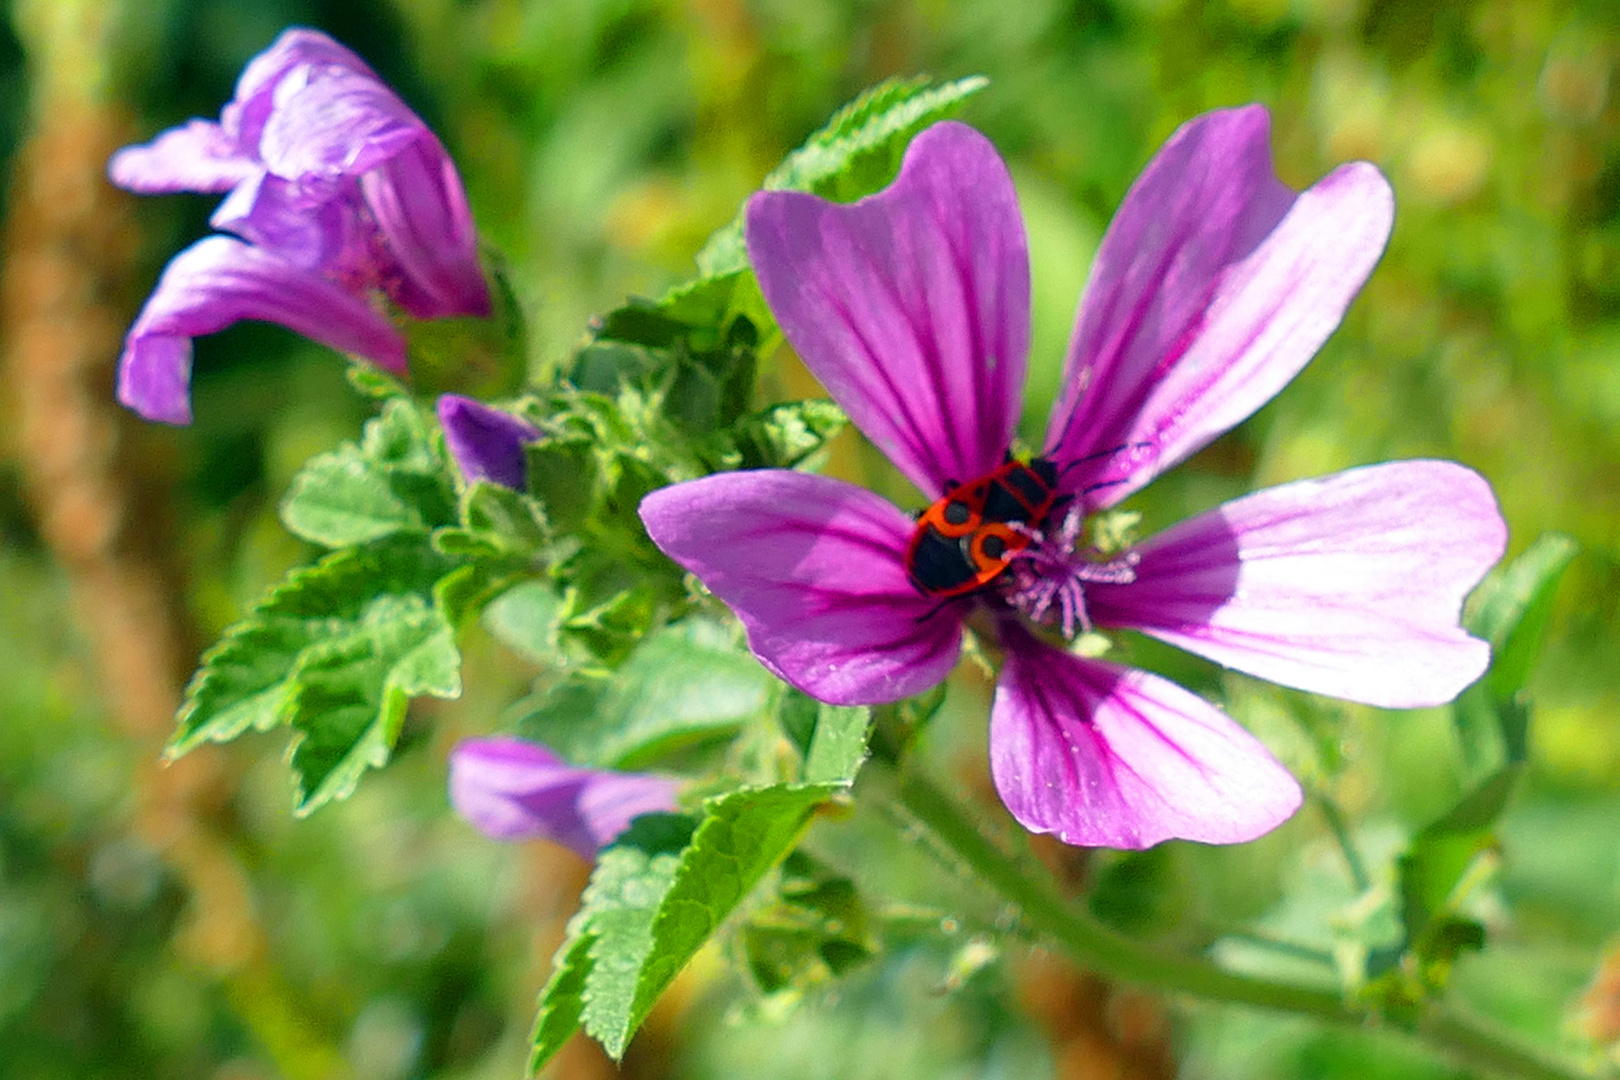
x,y
1098,948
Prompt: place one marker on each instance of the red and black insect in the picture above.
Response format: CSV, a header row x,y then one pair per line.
x,y
966,539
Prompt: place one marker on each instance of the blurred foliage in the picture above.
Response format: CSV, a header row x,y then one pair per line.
x,y
602,142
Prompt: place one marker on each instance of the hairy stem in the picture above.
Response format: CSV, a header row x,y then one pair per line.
x,y
1096,947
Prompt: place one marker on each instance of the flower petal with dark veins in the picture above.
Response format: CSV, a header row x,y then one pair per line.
x,y
814,569
1106,756
911,306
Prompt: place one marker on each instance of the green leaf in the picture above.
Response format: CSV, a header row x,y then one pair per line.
x,y
394,481
1514,613
787,436
686,683
341,500
1445,862
464,593
817,930
563,477
525,618
336,650
857,153
562,1001
742,835
1512,610
350,692
512,521
838,747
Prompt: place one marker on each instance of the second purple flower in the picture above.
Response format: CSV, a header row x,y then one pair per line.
x,y
343,207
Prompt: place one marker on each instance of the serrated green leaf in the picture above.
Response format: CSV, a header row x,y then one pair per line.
x,y
857,153
838,747
403,648
350,692
561,1002
663,907
787,436
686,683
335,650
342,500
241,682
393,481
525,618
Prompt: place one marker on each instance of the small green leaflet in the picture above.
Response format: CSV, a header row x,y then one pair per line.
x,y
652,903
786,436
1443,863
336,650
838,746
394,481
857,153
1512,610
1513,616
349,693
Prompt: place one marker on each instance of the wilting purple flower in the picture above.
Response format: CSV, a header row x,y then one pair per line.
x,y
486,443
512,789
1213,286
345,204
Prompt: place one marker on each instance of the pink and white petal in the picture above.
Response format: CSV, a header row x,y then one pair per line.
x,y
1106,756
911,306
200,156
1349,585
814,568
220,281
1214,286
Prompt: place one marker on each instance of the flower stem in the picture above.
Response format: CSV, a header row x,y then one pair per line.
x,y
1098,948
1347,846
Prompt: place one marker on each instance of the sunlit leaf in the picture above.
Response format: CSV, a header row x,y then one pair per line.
x,y
857,153
394,481
688,682
336,650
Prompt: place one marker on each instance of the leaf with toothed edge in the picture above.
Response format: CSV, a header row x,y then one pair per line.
x,y
659,893
336,651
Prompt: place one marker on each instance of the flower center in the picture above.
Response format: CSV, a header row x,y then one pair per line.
x,y
1050,573
995,533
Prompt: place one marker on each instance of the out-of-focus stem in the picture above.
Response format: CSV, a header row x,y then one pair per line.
x,y
1341,835
1096,947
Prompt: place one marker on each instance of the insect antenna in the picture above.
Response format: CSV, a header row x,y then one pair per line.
x,y
1096,455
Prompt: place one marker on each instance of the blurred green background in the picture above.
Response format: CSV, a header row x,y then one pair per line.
x,y
179,923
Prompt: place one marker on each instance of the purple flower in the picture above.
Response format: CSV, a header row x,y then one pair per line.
x,y
345,206
1213,286
511,789
486,443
